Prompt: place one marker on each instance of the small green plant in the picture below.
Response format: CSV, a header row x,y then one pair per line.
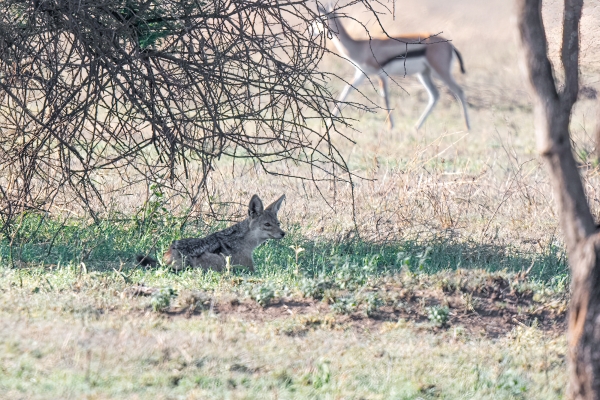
x,y
372,303
161,299
315,288
438,315
420,260
403,259
512,382
262,294
322,374
424,258
297,250
469,301
351,276
344,305
587,157
560,282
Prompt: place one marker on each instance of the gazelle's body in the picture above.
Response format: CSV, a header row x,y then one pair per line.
x,y
421,55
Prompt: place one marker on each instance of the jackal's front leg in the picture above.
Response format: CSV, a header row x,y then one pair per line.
x,y
206,261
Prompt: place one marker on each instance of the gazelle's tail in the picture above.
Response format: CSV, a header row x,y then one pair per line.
x,y
460,61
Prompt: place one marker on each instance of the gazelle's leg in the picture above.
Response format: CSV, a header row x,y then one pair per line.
x,y
359,76
460,96
434,95
383,91
458,93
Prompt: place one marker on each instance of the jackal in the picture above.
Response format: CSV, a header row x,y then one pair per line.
x,y
237,241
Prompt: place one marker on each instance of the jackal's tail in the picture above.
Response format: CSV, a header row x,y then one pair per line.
x,y
460,61
145,261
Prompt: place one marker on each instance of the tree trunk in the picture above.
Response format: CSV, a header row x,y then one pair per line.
x,y
584,326
552,117
597,135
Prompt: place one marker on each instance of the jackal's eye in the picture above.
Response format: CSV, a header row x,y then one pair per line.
x,y
268,225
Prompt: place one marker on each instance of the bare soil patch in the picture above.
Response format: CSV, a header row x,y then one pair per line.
x,y
491,308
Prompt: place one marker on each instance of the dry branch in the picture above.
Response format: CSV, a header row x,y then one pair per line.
x,y
162,89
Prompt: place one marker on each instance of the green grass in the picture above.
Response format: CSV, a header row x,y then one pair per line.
x,y
66,333
110,242
70,331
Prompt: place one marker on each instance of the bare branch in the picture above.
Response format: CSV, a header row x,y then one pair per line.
x,y
533,38
570,50
158,87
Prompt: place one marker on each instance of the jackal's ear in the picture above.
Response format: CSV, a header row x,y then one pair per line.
x,y
276,204
255,208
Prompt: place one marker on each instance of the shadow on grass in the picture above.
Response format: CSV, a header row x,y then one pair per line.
x,y
324,257
102,246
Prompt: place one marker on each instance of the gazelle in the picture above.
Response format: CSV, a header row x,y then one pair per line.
x,y
419,55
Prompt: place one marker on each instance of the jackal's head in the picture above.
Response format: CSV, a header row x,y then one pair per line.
x,y
263,221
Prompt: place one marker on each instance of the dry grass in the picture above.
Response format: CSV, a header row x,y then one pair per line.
x,y
68,334
485,185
